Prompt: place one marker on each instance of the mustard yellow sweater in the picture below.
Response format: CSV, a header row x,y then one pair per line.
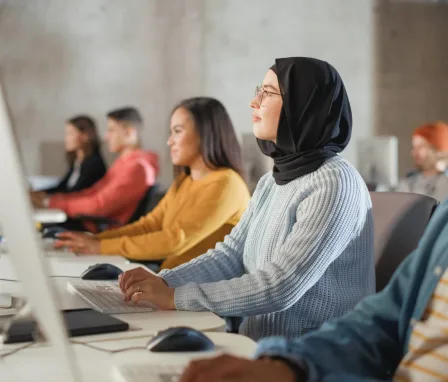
x,y
187,222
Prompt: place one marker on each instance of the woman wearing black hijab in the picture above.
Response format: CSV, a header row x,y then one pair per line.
x,y
303,251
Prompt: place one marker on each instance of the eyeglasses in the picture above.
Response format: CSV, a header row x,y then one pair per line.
x,y
260,93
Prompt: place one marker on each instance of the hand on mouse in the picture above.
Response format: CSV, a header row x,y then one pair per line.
x,y
78,242
139,285
228,368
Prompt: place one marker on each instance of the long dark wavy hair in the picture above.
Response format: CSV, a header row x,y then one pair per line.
x,y
218,142
85,124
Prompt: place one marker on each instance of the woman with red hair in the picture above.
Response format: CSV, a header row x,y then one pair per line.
x,y
430,152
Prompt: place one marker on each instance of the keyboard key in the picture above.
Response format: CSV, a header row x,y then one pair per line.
x,y
104,296
149,373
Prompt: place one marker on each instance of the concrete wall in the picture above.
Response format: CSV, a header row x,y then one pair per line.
x,y
242,39
411,54
62,58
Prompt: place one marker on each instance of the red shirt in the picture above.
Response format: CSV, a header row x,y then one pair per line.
x,y
118,193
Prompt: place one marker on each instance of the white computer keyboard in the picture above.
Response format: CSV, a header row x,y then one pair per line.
x,y
104,296
148,373
54,253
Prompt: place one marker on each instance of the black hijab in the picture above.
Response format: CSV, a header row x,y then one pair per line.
x,y
315,122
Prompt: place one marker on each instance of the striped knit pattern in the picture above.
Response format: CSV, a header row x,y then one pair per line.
x,y
302,254
427,357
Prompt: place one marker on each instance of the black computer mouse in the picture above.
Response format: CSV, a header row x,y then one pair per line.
x,y
101,272
180,339
52,232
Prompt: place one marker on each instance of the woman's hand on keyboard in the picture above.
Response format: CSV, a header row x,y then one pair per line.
x,y
78,242
139,286
128,278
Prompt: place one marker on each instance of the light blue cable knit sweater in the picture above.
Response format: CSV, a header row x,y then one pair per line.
x,y
302,254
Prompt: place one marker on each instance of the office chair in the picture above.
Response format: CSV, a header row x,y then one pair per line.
x,y
151,198
400,220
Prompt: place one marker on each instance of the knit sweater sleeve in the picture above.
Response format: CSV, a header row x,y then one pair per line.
x,y
222,263
327,218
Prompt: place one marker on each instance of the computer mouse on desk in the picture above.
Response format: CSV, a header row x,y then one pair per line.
x,y
180,339
101,272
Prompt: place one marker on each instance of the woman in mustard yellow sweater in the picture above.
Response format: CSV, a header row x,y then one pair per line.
x,y
205,201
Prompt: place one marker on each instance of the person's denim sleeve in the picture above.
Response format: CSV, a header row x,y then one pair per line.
x,y
366,342
279,347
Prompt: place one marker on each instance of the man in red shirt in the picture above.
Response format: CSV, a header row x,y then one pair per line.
x,y
118,193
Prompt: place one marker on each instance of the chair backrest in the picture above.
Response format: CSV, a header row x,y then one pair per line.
x,y
399,221
150,200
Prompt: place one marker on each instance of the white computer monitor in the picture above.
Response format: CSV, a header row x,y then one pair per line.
x,y
377,161
26,251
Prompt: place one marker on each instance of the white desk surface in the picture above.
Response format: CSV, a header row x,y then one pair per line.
x,y
66,265
36,364
99,366
141,324
49,216
61,263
